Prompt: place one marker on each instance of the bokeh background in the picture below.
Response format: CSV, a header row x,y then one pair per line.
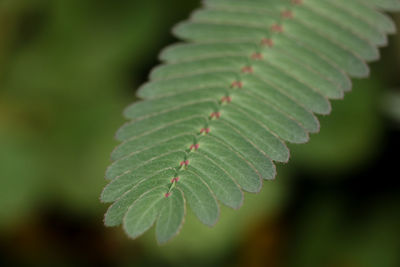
x,y
67,70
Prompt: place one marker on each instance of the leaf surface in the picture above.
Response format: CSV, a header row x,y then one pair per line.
x,y
248,76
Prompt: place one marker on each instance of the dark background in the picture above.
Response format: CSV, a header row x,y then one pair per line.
x,y
67,70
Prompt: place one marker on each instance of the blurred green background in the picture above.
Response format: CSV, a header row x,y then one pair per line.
x,y
67,70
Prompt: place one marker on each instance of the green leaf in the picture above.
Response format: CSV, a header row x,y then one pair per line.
x,y
200,197
142,214
393,5
249,76
171,216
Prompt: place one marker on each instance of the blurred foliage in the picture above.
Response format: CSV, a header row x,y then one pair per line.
x,y
63,90
348,137
391,105
67,70
331,235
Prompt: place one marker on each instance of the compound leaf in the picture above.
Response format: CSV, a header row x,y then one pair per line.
x,y
249,76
